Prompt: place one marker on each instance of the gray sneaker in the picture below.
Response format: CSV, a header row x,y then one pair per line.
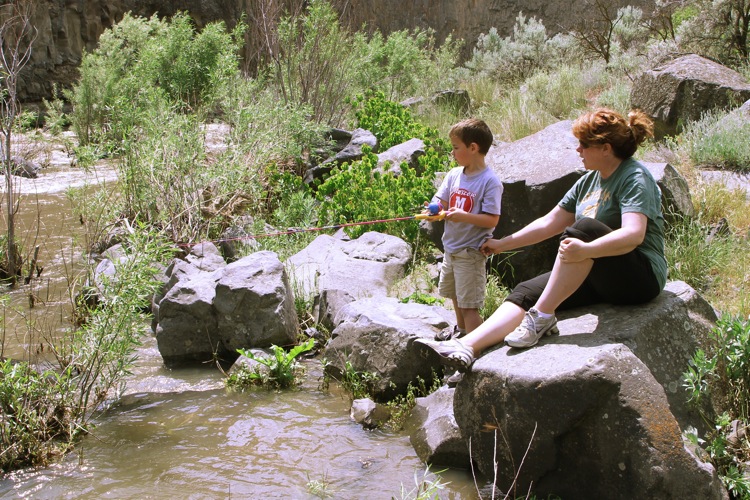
x,y
454,379
532,328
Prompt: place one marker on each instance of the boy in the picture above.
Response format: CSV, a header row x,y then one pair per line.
x,y
472,193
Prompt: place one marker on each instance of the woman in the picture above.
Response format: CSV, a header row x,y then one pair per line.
x,y
611,249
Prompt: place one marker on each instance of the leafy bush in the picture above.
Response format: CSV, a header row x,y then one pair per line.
x,y
33,428
721,373
359,192
405,64
141,62
279,372
719,139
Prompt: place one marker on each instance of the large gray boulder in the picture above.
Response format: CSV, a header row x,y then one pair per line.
x,y
207,309
435,436
408,152
352,152
536,172
186,327
578,421
599,407
334,272
685,88
254,303
375,335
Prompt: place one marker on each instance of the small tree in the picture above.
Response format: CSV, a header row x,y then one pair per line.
x,y
16,38
717,29
596,33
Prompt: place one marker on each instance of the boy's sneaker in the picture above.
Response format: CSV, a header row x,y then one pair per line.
x,y
532,328
454,379
449,333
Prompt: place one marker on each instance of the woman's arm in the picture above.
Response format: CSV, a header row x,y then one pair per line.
x,y
618,242
539,230
487,221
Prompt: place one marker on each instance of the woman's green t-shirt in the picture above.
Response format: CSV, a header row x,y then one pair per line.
x,y
631,188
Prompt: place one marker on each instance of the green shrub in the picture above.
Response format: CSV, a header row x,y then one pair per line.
x,y
406,64
402,405
693,257
33,429
359,193
26,121
278,372
357,384
719,140
55,120
311,66
164,174
191,67
43,412
721,373
141,63
108,81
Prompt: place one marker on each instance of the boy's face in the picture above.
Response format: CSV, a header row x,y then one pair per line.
x,y
461,152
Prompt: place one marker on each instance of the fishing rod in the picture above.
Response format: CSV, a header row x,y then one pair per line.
x,y
432,213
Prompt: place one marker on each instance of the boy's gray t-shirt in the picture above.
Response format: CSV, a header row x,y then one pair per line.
x,y
477,193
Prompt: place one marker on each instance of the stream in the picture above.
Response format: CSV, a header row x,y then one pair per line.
x,y
179,433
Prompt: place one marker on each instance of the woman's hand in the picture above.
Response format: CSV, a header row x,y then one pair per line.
x,y
572,250
491,247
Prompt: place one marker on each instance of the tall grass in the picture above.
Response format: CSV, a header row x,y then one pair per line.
x,y
693,257
718,140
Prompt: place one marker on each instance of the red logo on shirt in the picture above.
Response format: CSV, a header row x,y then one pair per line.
x,y
463,199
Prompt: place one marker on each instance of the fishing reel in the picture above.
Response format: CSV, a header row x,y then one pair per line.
x,y
433,212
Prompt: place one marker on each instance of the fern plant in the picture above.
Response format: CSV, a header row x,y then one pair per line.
x,y
281,371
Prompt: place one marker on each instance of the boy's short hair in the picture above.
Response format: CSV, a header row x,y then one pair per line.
x,y
473,130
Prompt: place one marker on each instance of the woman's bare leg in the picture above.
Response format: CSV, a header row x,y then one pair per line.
x,y
565,279
494,330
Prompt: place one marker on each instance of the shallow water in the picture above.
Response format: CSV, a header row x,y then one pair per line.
x,y
179,433
211,443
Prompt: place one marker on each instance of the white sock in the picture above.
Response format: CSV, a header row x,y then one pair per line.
x,y
544,315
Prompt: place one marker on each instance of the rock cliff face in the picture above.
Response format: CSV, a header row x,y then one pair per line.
x,y
68,28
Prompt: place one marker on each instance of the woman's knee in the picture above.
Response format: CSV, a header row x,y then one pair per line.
x,y
526,294
586,229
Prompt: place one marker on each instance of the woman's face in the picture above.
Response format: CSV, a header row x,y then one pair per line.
x,y
591,154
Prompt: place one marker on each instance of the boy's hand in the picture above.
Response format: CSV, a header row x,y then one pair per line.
x,y
455,214
426,215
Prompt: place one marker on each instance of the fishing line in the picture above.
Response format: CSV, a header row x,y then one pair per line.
x,y
433,213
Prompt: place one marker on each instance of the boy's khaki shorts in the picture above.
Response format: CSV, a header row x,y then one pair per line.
x,y
464,277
